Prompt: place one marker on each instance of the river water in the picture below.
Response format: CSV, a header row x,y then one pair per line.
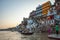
x,y
8,35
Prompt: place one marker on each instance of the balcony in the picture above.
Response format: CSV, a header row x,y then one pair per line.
x,y
40,11
57,17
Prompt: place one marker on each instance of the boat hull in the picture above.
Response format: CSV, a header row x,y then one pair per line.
x,y
27,33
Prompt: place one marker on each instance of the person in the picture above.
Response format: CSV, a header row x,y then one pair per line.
x,y
57,29
49,30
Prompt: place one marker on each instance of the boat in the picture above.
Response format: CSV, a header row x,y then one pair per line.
x,y
28,33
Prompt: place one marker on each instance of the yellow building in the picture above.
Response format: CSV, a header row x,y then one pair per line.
x,y
45,7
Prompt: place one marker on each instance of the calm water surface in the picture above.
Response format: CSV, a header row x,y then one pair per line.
x,y
8,35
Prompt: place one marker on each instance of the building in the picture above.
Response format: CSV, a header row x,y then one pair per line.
x,y
39,11
32,14
57,6
41,15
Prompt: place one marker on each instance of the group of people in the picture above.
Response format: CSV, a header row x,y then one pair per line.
x,y
56,29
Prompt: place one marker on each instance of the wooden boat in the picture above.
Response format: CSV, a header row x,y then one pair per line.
x,y
26,33
29,33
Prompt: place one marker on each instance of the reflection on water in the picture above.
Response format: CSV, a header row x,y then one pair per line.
x,y
8,35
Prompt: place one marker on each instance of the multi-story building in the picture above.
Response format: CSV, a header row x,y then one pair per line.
x,y
42,11
39,11
32,14
57,5
41,14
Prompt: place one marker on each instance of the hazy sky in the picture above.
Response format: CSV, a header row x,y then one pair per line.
x,y
13,11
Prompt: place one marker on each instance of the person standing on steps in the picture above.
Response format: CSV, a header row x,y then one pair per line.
x,y
57,29
49,29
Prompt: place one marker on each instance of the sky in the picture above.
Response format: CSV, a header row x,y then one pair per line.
x,y
13,11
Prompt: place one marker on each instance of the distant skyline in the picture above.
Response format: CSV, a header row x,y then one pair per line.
x,y
13,11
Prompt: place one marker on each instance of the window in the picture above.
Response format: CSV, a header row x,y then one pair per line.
x,y
58,3
59,17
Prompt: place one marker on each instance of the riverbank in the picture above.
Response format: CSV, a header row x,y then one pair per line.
x,y
8,35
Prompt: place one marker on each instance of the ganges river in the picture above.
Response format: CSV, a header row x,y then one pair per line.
x,y
8,35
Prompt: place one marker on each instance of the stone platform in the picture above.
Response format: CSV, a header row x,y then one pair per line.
x,y
54,36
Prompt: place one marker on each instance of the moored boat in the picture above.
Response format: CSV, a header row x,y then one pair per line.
x,y
28,33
